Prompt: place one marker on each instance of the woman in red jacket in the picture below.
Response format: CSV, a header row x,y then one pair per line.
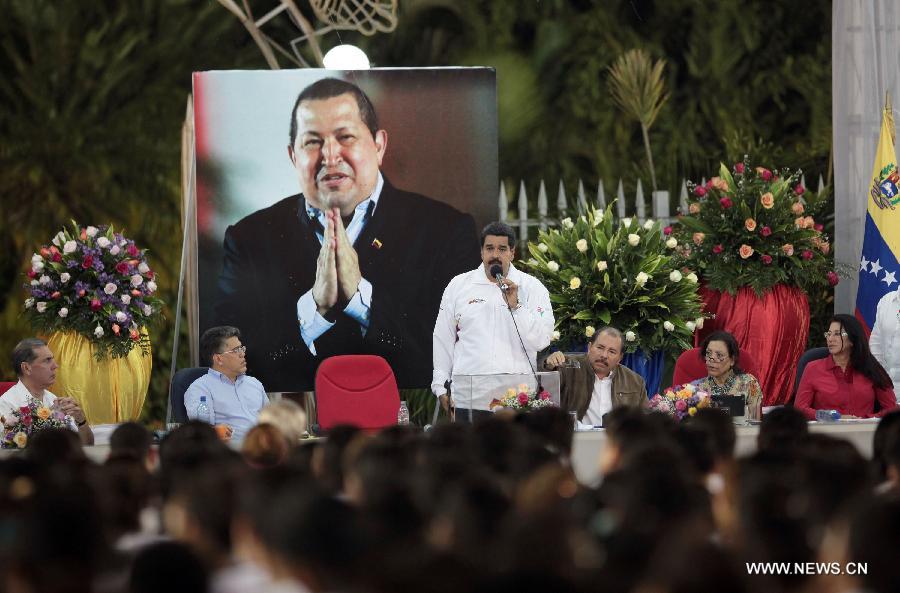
x,y
849,379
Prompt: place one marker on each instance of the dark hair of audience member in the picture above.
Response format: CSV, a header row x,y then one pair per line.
x,y
125,488
835,476
191,446
328,460
56,446
890,456
697,445
171,567
782,429
131,438
264,446
888,427
720,427
552,425
508,449
875,540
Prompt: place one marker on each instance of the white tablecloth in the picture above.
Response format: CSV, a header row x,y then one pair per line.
x,y
587,446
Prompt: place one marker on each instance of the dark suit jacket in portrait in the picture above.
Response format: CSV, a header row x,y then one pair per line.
x,y
576,387
409,251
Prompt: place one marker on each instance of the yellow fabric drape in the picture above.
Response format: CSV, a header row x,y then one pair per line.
x,y
109,391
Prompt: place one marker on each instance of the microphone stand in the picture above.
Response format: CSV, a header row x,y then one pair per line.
x,y
537,378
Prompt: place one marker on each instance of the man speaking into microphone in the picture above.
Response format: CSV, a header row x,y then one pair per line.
x,y
492,320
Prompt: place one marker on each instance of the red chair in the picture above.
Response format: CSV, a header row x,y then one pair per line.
x,y
6,386
357,389
690,367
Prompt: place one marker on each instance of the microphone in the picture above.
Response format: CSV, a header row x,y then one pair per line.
x,y
497,272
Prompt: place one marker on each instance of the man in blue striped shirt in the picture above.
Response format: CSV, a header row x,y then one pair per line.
x,y
234,398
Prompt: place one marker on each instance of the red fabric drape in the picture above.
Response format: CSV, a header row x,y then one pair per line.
x,y
775,328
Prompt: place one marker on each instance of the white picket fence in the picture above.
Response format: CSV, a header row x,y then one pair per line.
x,y
659,205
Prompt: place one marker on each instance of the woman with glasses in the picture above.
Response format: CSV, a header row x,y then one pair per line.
x,y
725,377
849,379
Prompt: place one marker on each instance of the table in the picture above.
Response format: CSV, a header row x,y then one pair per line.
x,y
588,445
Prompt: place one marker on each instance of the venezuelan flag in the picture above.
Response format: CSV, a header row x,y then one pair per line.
x,y
879,271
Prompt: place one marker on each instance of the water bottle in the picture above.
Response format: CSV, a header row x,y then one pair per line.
x,y
403,414
203,413
827,415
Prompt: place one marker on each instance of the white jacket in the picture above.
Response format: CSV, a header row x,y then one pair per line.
x,y
885,339
474,332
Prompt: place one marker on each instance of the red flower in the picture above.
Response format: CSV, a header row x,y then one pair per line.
x,y
765,231
87,262
807,254
766,259
700,191
122,267
53,249
523,399
55,294
726,203
544,395
116,328
718,249
819,227
136,292
24,411
26,417
32,274
666,231
95,304
45,252
83,234
799,189
82,292
833,278
739,168
133,250
765,174
134,335
57,256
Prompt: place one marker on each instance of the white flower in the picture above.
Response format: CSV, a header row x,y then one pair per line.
x,y
671,243
136,280
668,326
601,265
126,299
114,250
34,282
598,217
699,322
582,218
630,337
36,257
648,225
64,277
581,245
41,306
45,280
553,266
554,336
692,277
567,223
148,310
110,288
70,247
641,278
63,312
103,243
626,222
633,239
37,266
542,247
151,286
121,317
575,283
589,331
675,276
690,325
91,231
58,239
143,268
98,332
29,303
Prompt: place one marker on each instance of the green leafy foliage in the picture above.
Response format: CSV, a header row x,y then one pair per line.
x,y
600,272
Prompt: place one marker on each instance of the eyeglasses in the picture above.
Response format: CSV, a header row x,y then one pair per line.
x,y
840,334
238,350
714,357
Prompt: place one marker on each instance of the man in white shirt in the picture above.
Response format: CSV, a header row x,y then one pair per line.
x,y
234,398
885,339
479,324
36,370
598,383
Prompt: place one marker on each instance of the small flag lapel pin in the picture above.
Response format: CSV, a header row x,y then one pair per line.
x,y
376,243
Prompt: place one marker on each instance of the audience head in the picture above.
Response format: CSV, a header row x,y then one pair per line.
x,y
264,446
131,438
720,427
888,426
168,566
782,428
287,416
874,540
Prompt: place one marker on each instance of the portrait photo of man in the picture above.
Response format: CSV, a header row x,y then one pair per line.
x,y
351,264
